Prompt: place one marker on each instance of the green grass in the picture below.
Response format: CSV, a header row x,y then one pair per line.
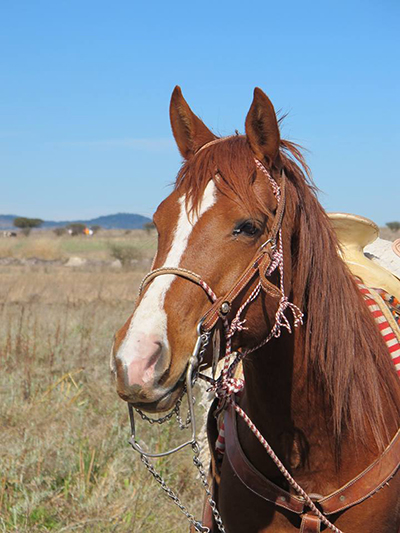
x,y
82,245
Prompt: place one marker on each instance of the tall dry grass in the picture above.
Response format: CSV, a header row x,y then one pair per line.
x,y
65,463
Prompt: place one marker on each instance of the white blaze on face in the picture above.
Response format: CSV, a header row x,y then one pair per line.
x,y
150,320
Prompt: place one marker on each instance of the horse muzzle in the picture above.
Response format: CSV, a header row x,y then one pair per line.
x,y
142,371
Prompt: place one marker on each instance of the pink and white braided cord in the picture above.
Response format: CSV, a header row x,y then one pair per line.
x,y
227,386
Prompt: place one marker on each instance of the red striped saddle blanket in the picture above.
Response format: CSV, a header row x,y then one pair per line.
x,y
386,311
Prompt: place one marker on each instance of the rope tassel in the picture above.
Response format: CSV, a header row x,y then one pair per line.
x,y
282,320
236,325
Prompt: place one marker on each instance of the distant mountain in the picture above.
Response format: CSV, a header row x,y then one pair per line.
x,y
6,221
117,221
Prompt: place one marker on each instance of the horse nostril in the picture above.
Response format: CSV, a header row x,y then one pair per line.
x,y
142,370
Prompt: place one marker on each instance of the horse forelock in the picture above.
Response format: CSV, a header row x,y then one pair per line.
x,y
230,164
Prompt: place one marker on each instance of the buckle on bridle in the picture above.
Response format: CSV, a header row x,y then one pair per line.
x,y
268,241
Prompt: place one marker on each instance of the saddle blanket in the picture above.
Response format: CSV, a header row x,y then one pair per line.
x,y
386,311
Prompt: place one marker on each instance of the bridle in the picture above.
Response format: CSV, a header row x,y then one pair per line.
x,y
268,259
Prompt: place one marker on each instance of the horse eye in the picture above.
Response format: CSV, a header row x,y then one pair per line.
x,y
247,228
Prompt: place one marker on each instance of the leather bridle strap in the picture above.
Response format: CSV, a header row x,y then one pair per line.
x,y
258,265
175,271
367,483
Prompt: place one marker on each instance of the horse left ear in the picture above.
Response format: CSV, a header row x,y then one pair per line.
x,y
262,128
189,131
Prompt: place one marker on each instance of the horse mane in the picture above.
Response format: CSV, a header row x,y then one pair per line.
x,y
345,354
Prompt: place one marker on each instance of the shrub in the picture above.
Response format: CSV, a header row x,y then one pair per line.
x,y
76,228
394,226
59,231
26,224
124,253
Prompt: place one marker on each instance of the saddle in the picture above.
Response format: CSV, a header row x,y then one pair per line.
x,y
355,233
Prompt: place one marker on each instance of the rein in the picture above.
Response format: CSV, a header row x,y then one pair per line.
x,y
268,258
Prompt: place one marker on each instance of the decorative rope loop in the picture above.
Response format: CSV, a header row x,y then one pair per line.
x,y
236,325
277,259
226,387
281,320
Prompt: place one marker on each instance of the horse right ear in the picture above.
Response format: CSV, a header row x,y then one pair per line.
x,y
262,128
189,131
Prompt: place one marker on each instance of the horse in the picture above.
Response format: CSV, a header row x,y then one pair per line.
x,y
243,228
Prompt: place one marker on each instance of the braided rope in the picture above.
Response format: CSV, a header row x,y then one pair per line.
x,y
237,324
208,289
282,468
227,386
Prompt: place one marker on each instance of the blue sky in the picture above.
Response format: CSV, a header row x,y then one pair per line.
x,y
85,88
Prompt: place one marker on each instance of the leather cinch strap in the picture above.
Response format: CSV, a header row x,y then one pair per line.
x,y
310,524
355,491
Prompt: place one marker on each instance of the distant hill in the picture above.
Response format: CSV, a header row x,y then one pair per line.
x,y
6,221
117,221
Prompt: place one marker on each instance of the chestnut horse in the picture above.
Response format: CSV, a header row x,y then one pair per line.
x,y
325,395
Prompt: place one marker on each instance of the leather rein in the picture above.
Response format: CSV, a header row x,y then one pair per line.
x,y
268,258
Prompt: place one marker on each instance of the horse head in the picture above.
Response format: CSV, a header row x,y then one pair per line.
x,y
219,214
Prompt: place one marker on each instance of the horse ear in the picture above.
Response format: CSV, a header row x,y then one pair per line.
x,y
262,128
189,131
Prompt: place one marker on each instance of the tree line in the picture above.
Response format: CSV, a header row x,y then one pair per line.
x,y
26,225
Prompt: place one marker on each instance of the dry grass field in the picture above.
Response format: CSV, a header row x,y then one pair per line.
x,y
65,463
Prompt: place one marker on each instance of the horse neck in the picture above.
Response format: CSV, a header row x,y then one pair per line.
x,y
290,412
280,399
